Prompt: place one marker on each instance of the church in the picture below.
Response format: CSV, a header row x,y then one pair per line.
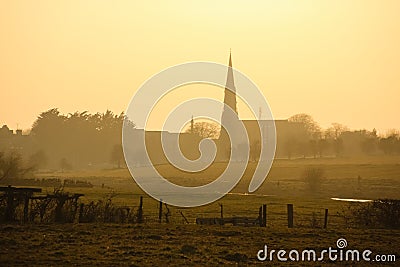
x,y
286,133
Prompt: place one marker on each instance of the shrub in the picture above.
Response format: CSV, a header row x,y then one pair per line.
x,y
312,178
381,213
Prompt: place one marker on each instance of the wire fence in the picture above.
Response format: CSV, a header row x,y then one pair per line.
x,y
19,207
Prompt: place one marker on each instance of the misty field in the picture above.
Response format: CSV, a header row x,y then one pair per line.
x,y
178,243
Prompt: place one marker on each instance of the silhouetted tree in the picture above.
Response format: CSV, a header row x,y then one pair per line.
x,y
323,146
48,132
255,149
333,137
81,137
369,145
336,130
338,146
11,166
205,129
38,159
390,144
117,155
65,165
311,126
313,147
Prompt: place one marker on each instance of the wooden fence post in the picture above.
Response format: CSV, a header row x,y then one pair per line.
x,y
160,211
26,207
290,215
326,219
12,196
80,216
222,214
264,215
9,214
140,211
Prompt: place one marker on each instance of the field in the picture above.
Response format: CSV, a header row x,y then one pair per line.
x,y
178,243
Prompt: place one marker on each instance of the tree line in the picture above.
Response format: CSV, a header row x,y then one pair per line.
x,y
337,140
84,140
65,141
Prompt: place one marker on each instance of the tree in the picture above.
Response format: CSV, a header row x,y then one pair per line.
x,y
117,155
255,150
65,165
313,147
48,127
336,130
311,126
82,137
205,129
390,144
38,159
322,145
11,166
289,146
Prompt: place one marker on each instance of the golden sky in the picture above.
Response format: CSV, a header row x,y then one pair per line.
x,y
338,61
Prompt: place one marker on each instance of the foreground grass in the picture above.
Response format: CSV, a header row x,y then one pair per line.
x,y
176,245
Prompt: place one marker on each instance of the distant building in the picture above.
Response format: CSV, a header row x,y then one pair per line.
x,y
11,141
288,133
5,132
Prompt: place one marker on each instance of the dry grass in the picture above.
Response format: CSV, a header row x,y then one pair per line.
x,y
176,245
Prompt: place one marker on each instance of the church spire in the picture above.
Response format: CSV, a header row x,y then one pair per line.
x,y
229,101
230,58
230,95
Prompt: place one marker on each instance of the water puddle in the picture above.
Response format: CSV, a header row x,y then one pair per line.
x,y
249,194
351,199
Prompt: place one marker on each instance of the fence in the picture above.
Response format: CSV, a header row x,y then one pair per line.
x,y
23,206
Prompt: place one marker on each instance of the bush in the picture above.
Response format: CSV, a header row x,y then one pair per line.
x,y
381,213
312,178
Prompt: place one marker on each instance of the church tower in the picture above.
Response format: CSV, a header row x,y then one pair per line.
x,y
230,96
228,118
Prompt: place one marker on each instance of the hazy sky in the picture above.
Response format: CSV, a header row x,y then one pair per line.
x,y
338,61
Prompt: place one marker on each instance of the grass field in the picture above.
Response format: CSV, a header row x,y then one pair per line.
x,y
379,178
175,245
189,244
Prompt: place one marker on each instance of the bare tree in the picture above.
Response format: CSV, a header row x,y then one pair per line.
x,y
11,166
311,126
336,130
205,129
